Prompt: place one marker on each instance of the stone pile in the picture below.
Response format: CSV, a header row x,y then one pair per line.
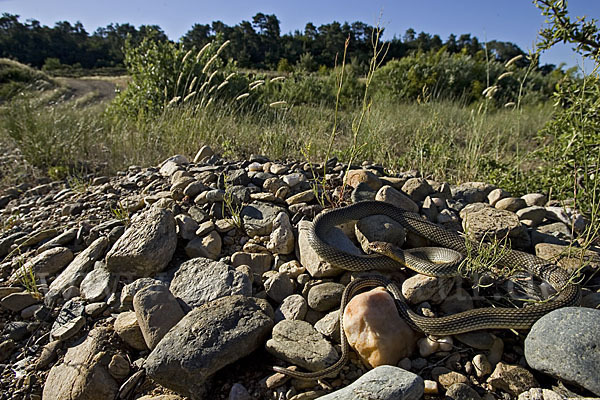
x,y
191,279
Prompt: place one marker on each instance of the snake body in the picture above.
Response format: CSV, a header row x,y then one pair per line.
x,y
568,293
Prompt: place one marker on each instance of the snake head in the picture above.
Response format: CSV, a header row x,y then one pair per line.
x,y
379,247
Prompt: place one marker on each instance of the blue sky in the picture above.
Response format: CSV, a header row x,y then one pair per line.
x,y
514,21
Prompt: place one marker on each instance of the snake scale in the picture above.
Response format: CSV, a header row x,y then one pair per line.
x,y
568,293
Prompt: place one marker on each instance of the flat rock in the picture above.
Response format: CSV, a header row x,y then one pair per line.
x,y
157,311
258,218
83,374
16,302
147,245
45,264
200,280
68,319
513,379
74,273
298,343
382,383
97,284
325,296
487,222
510,204
259,263
207,339
419,288
375,330
396,198
565,343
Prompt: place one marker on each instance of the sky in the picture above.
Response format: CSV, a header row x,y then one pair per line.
x,y
516,21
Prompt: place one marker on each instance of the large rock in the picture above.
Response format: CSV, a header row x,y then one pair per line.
x,y
200,280
375,330
77,269
258,218
382,383
45,264
157,311
128,329
83,374
566,344
481,221
298,343
207,339
97,284
147,245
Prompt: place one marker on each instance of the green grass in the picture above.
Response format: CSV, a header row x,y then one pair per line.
x,y
444,140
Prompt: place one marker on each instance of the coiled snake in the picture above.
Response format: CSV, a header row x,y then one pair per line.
x,y
568,293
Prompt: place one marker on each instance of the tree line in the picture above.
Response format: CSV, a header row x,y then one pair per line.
x,y
256,44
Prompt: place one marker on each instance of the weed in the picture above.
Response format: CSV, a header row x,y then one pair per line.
x,y
27,277
121,213
232,204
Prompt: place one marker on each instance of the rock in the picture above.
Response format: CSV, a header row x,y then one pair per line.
x,y
16,302
417,189
118,367
6,290
204,152
309,259
396,198
329,326
259,263
427,346
461,391
488,222
480,340
375,330
131,289
281,240
128,329
147,245
208,246
48,355
513,379
379,228
45,264
6,349
298,343
356,176
279,286
292,269
97,284
472,192
200,280
447,378
157,311
420,288
325,296
458,301
293,179
293,307
74,273
303,197
496,195
83,374
69,321
382,383
555,233
565,343
186,226
535,199
568,257
482,365
207,339
431,387
258,218
510,204
239,392
540,394
536,214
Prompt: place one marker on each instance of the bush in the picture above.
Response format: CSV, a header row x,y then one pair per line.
x,y
164,74
459,76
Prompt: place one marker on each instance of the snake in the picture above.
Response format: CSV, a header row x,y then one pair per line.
x,y
567,292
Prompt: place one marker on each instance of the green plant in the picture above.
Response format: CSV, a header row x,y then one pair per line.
x,y
27,278
232,204
121,213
